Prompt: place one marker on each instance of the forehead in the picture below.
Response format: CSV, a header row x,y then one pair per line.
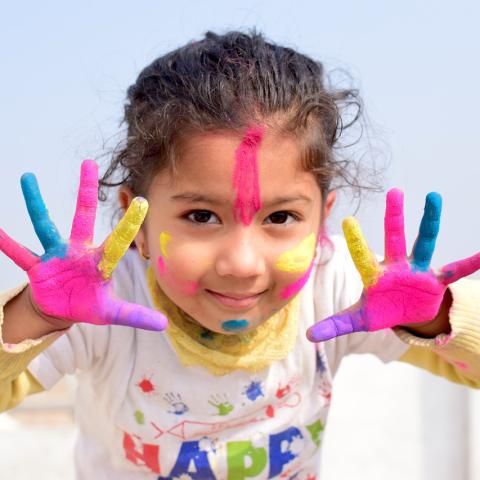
x,y
207,161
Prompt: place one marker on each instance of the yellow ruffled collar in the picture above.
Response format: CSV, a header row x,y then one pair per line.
x,y
222,354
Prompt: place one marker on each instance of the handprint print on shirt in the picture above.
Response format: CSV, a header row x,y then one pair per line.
x,y
400,290
72,279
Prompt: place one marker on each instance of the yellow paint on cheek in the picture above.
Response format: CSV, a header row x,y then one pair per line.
x,y
299,258
165,239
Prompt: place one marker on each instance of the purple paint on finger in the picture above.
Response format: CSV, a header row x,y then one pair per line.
x,y
136,316
245,176
337,325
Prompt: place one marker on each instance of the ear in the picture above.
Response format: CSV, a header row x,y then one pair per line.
x,y
329,202
125,197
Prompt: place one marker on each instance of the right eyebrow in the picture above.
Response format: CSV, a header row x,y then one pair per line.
x,y
194,197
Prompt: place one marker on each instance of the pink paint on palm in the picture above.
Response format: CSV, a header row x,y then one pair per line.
x,y
184,286
245,176
74,289
402,296
461,268
395,246
290,290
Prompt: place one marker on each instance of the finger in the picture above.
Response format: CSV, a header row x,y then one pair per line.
x,y
364,260
84,218
337,325
462,268
122,236
136,316
23,257
427,235
395,247
44,227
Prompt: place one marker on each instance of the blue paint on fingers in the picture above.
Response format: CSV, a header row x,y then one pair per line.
x,y
427,235
44,227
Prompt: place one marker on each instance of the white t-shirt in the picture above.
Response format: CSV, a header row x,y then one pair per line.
x,y
143,415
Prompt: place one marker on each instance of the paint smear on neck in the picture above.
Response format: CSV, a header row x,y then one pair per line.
x,y
245,176
234,325
299,258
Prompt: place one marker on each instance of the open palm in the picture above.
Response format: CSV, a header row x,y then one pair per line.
x,y
400,290
72,279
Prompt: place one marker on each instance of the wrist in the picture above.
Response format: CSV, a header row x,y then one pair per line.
x,y
23,320
48,321
438,325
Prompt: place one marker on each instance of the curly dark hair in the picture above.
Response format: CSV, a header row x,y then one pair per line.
x,y
229,82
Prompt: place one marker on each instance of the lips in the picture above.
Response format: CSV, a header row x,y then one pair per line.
x,y
235,300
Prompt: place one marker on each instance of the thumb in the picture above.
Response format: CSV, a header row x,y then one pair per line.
x,y
342,323
120,312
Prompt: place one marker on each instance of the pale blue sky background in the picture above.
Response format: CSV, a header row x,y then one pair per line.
x,y
65,69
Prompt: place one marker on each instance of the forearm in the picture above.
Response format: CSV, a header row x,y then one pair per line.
x,y
460,347
23,336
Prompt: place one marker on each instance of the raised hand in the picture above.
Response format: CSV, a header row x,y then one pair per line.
x,y
71,280
399,290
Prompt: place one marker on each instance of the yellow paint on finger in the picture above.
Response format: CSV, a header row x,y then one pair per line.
x,y
299,258
165,239
364,260
122,236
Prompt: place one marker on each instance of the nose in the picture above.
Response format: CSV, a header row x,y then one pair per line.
x,y
241,255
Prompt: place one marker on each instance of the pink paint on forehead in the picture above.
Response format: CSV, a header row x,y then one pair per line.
x,y
245,176
292,289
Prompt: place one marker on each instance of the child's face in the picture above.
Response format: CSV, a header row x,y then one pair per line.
x,y
225,259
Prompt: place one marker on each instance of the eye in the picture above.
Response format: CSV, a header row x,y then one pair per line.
x,y
282,217
202,216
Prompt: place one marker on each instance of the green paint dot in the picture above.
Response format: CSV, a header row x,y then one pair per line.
x,y
315,430
139,417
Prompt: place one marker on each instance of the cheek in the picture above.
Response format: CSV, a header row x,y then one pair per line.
x,y
179,268
294,286
299,258
298,262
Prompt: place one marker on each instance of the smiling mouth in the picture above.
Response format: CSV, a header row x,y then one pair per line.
x,y
236,301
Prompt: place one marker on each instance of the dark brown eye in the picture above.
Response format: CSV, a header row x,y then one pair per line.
x,y
202,216
281,217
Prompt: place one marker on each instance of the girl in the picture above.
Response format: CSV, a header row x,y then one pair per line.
x,y
231,141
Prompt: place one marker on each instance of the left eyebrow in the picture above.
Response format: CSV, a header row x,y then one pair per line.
x,y
287,199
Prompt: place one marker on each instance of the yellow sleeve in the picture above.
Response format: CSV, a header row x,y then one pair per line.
x,y
16,382
455,356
